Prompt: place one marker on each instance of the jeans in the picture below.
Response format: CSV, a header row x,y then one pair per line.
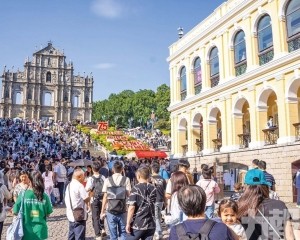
x,y
60,186
116,225
298,196
98,224
209,211
77,230
158,209
141,234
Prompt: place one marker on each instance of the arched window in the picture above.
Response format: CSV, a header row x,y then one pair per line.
x,y
18,99
48,77
6,93
240,58
47,99
293,25
265,40
29,96
183,83
76,101
197,76
214,67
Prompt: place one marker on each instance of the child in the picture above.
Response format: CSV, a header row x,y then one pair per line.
x,y
228,210
237,192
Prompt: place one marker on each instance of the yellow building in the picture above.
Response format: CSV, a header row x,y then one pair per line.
x,y
228,76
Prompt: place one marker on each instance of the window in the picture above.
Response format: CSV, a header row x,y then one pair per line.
x,y
87,99
214,67
265,40
6,93
47,99
65,97
76,101
48,77
197,76
183,83
29,96
240,59
18,98
293,25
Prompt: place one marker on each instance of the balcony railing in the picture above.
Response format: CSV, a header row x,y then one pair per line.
x,y
199,144
294,43
266,56
245,139
198,88
271,135
183,95
215,80
297,131
240,68
217,144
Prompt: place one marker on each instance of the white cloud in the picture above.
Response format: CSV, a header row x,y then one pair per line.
x,y
104,65
107,8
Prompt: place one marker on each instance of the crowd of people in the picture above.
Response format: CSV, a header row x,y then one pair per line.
x,y
136,199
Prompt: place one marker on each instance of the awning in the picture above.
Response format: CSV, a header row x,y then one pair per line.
x,y
150,154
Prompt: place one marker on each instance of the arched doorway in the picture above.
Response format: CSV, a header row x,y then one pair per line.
x,y
183,136
197,133
215,129
268,117
241,126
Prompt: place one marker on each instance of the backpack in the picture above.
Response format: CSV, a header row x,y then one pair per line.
x,y
97,187
61,171
116,196
201,235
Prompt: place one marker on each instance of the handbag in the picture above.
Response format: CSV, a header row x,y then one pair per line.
x,y
15,230
78,212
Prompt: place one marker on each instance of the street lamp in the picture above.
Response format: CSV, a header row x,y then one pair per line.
x,y
153,120
180,32
116,121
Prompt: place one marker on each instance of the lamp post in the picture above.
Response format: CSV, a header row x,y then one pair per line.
x,y
140,121
153,119
180,32
116,121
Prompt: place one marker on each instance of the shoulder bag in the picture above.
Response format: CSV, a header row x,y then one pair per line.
x,y
78,212
15,230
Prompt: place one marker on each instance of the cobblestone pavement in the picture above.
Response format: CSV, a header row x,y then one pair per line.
x,y
58,226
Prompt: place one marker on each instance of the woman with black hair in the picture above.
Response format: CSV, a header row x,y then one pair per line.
x,y
36,207
22,185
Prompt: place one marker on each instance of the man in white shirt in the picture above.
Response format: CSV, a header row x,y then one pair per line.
x,y
79,198
59,176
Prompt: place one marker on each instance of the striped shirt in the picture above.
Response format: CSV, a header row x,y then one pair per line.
x,y
269,178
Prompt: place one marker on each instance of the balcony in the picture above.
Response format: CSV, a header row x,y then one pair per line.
x,y
294,43
199,144
266,56
240,68
297,131
245,139
215,80
183,95
271,135
217,144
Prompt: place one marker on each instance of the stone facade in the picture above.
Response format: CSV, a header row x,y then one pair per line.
x,y
47,88
228,76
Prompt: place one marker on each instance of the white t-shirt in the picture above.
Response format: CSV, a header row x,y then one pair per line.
x,y
48,180
117,177
56,170
90,183
78,195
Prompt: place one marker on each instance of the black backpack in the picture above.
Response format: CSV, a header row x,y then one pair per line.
x,y
116,195
97,187
203,233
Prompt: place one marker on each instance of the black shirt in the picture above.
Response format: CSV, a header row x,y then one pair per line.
x,y
160,184
143,197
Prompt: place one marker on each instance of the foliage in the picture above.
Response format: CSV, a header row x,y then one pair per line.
x,y
118,109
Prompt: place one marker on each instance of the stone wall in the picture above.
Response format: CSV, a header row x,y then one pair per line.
x,y
279,161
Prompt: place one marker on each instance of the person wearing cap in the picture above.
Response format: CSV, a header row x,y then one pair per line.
x,y
262,217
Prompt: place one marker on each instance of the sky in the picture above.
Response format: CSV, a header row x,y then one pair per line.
x,y
124,43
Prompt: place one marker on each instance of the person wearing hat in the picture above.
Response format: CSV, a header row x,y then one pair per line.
x,y
262,217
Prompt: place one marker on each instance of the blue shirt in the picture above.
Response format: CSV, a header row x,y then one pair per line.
x,y
219,231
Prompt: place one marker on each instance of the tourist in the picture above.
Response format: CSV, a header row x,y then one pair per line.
x,y
60,176
76,197
114,203
4,197
48,180
178,180
192,201
160,185
211,188
141,213
36,208
297,185
22,185
228,211
255,207
262,165
94,187
238,191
